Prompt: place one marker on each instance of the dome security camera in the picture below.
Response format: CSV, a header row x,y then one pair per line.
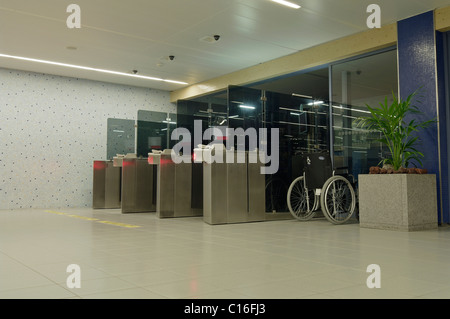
x,y
216,37
171,57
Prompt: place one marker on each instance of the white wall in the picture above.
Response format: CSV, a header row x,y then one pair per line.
x,y
52,128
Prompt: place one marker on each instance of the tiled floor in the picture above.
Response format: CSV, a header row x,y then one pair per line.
x,y
187,258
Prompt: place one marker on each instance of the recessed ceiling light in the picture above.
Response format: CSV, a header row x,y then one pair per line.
x,y
316,103
288,4
247,107
89,68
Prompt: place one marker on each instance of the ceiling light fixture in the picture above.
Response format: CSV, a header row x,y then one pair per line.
x,y
288,4
89,69
247,107
316,103
301,95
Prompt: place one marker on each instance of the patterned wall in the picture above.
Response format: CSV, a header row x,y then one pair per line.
x,y
52,128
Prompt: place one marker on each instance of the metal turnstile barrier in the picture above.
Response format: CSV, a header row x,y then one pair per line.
x,y
138,185
179,186
232,192
106,185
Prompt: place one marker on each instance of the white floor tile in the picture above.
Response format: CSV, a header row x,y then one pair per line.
x,y
187,258
131,293
39,292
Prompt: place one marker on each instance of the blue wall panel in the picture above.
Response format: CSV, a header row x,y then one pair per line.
x,y
417,69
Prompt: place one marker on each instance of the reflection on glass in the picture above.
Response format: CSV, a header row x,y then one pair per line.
x,y
153,131
356,84
211,114
120,137
303,128
302,124
245,110
305,124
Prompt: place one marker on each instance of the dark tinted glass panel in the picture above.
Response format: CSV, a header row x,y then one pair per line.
x,y
120,137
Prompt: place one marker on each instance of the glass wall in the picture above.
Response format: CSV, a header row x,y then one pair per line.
x,y
354,85
305,123
153,131
302,123
209,113
303,128
245,110
120,137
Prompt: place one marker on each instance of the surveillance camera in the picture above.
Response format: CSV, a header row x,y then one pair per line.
x,y
171,57
216,37
134,71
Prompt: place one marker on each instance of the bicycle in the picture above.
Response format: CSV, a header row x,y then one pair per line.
x,y
321,187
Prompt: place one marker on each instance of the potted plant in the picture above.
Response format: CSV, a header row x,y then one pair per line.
x,y
405,201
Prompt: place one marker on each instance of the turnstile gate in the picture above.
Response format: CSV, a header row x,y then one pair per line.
x,y
138,185
106,185
232,192
179,186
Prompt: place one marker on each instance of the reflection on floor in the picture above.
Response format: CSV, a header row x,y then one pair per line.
x,y
140,256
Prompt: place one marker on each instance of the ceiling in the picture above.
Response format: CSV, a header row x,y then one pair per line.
x,y
140,34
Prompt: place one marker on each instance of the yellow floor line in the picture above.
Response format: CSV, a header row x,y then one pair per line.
x,y
94,219
118,224
83,217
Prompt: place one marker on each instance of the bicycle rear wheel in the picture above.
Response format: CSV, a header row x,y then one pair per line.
x,y
301,201
338,200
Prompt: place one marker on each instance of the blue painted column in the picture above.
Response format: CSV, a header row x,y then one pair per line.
x,y
417,62
442,83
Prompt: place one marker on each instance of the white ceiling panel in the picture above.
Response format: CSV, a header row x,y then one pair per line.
x,y
139,34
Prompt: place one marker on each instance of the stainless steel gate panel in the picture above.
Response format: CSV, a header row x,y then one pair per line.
x,y
233,192
106,185
183,192
237,195
138,191
215,193
165,186
98,189
175,188
256,190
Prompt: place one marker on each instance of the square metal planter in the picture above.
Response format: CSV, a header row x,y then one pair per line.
x,y
405,202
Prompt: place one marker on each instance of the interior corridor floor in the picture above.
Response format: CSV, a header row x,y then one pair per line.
x,y
136,256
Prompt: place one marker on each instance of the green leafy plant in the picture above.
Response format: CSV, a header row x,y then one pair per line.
x,y
398,135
